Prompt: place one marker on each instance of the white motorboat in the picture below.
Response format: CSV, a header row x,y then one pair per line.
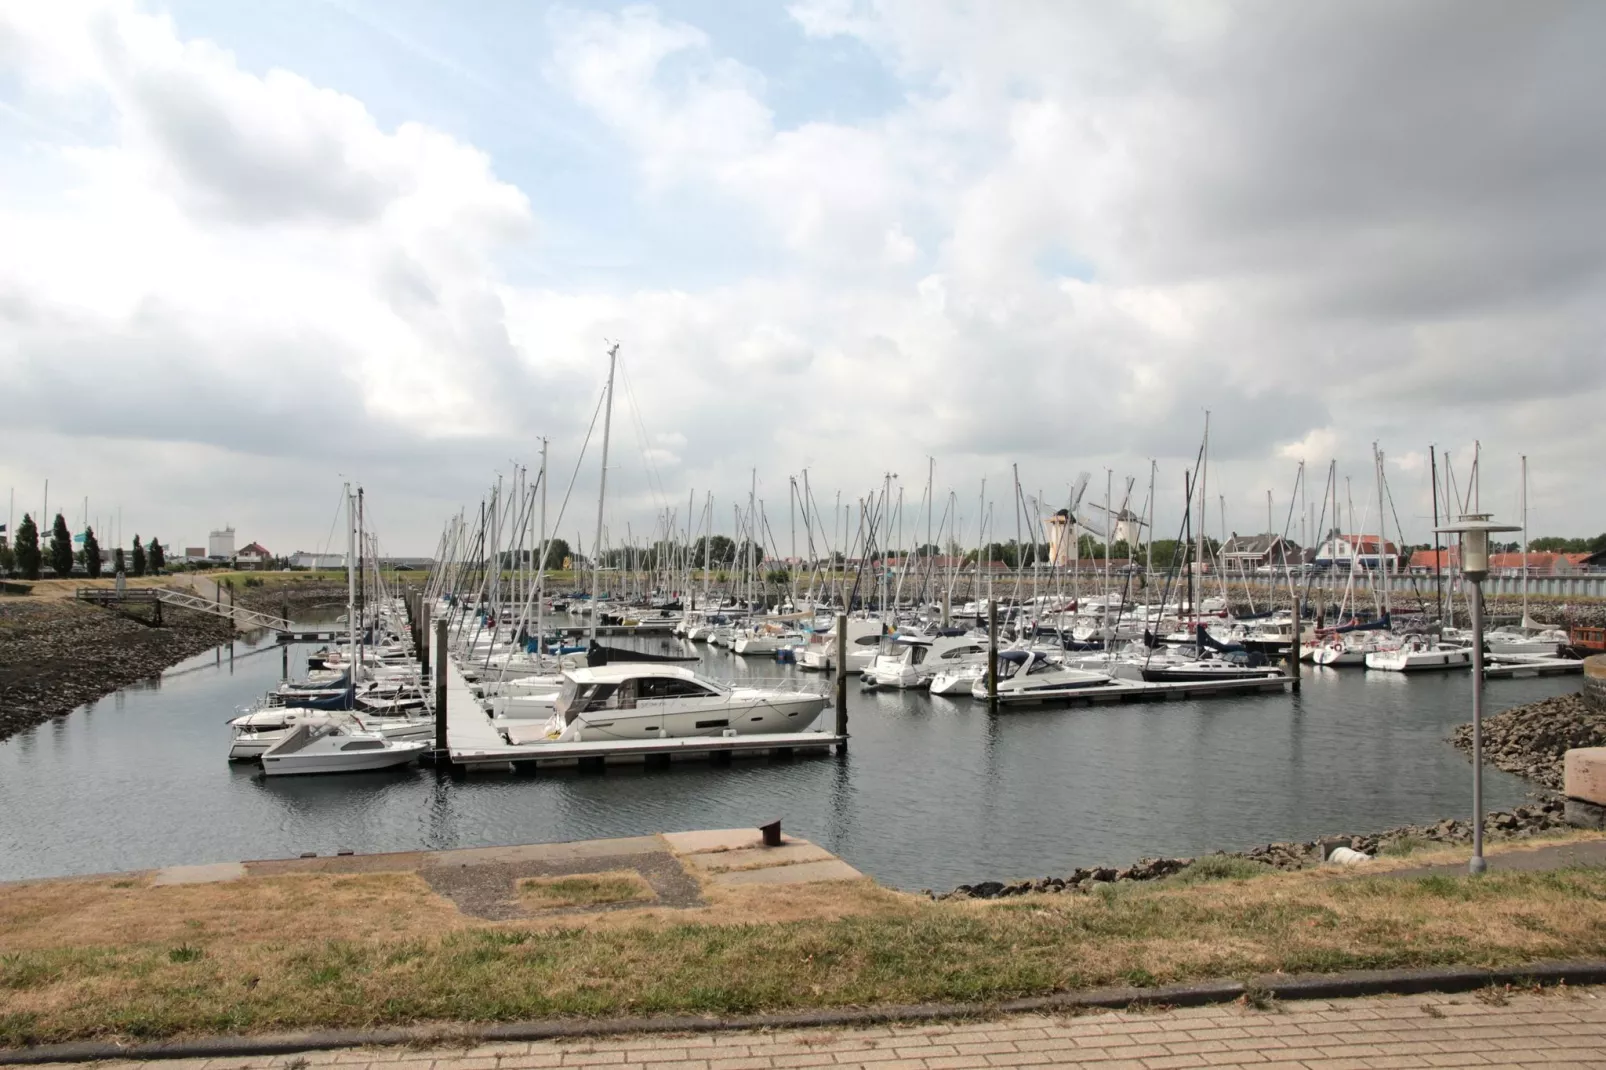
x,y
910,661
1034,676
959,679
864,638
256,731
1230,666
1547,643
765,639
1419,654
336,748
637,700
1337,651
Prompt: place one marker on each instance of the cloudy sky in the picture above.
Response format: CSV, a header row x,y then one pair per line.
x,y
250,250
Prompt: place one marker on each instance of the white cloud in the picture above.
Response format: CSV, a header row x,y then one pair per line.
x,y
1068,230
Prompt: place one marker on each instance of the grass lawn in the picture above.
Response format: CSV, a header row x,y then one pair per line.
x,y
590,890
116,957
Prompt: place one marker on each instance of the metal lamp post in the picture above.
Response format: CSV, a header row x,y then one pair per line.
x,y
1474,529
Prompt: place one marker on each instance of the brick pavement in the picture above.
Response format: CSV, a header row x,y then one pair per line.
x,y
1554,1029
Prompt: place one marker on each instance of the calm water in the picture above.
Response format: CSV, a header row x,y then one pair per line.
x,y
933,793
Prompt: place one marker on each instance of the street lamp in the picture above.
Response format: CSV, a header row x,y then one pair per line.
x,y
1474,529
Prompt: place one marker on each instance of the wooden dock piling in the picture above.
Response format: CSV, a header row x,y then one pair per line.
x,y
992,655
842,680
440,689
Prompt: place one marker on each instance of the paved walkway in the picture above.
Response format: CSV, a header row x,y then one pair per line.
x,y
1557,1028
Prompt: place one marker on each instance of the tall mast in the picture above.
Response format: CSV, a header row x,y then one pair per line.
x,y
1526,623
602,489
1438,576
351,587
1148,546
1382,530
540,573
362,574
1203,488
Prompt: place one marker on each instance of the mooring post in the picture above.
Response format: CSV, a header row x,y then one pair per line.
x,y
421,637
992,655
947,608
440,688
1293,648
842,680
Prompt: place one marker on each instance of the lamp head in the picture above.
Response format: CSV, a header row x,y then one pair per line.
x,y
1474,529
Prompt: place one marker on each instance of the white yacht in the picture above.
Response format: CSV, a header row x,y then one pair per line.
x,y
256,731
864,639
634,701
1033,676
1419,654
336,748
910,661
1546,643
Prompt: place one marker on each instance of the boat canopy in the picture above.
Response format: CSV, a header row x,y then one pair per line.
x,y
1381,624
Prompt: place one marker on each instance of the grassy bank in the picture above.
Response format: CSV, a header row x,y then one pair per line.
x,y
117,957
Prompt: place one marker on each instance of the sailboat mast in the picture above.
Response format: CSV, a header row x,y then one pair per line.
x,y
1382,530
602,488
351,585
540,573
1525,622
1438,566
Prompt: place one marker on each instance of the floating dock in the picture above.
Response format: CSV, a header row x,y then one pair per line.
x,y
472,740
1142,691
1510,666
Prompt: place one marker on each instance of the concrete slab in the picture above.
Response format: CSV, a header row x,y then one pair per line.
x,y
803,873
685,843
546,852
756,857
215,873
1584,774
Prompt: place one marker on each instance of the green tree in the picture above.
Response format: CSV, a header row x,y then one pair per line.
x,y
119,564
139,557
557,551
721,551
8,559
91,554
1597,544
27,548
154,558
61,554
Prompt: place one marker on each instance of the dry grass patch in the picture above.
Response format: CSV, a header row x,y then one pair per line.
x,y
888,948
91,913
584,890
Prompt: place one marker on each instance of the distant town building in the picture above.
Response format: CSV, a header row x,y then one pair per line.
x,y
220,544
1338,551
1245,553
194,553
253,555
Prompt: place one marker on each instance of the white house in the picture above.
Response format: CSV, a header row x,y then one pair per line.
x,y
1338,551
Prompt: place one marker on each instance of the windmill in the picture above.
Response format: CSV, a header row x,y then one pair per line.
x,y
1127,526
1064,525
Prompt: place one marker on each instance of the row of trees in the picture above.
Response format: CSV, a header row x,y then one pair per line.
x,y
25,555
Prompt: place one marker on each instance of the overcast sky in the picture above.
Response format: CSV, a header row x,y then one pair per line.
x,y
250,250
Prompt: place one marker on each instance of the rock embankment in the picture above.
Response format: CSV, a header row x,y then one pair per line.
x,y
292,600
1519,823
1531,740
58,655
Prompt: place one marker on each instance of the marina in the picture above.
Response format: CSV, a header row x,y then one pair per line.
x,y
932,791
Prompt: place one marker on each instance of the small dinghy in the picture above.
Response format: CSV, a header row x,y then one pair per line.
x,y
336,748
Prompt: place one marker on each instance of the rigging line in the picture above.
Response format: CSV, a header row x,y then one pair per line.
x,y
329,537
655,478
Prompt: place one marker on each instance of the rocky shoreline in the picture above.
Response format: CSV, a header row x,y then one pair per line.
x,y
1531,740
1519,823
57,655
